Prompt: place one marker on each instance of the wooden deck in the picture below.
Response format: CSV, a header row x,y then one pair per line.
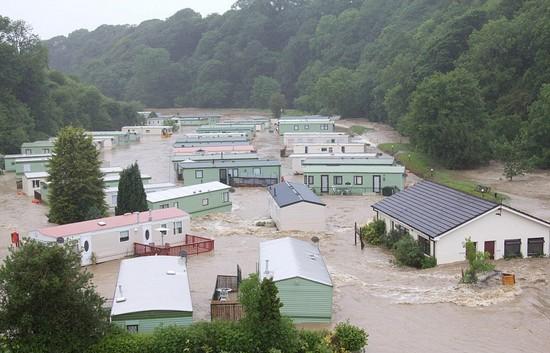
x,y
228,308
193,245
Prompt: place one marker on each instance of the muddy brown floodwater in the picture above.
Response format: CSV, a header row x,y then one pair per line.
x,y
403,310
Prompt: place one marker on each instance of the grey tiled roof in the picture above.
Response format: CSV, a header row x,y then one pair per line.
x,y
287,193
433,209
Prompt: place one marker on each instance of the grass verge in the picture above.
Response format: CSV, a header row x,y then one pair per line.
x,y
423,166
358,129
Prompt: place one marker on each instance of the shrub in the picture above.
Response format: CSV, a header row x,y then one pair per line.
x,y
428,262
122,342
393,237
407,252
373,232
478,261
313,341
348,338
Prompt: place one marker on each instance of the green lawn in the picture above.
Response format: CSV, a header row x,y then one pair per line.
x,y
358,129
421,165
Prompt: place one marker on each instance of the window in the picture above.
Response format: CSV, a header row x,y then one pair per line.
x,y
330,150
86,246
132,328
324,126
26,168
225,196
124,236
235,172
305,149
332,140
424,245
323,149
114,199
28,151
296,128
147,131
358,180
46,150
337,180
147,234
512,248
164,205
310,180
36,184
535,246
392,225
256,171
343,149
306,127
175,204
178,228
205,202
198,174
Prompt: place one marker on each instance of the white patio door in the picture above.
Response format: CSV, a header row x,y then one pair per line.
x,y
85,243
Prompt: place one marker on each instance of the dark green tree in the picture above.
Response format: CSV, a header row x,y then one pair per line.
x,y
263,89
131,196
536,134
76,182
277,104
47,302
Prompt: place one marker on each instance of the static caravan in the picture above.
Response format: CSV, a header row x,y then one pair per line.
x,y
195,120
260,124
116,137
441,218
31,182
28,165
299,159
9,159
110,238
214,149
292,138
152,291
197,200
248,129
254,172
310,117
302,278
303,124
111,193
158,120
111,180
304,148
148,130
209,157
201,143
214,137
360,178
37,147
293,206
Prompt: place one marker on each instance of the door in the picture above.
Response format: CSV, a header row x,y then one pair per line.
x,y
223,176
376,183
324,183
490,248
85,245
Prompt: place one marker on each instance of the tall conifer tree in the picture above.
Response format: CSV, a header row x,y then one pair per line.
x,y
131,194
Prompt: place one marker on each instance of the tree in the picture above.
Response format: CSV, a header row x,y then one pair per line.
x,y
263,89
76,182
336,92
536,133
47,303
173,123
277,104
131,196
478,262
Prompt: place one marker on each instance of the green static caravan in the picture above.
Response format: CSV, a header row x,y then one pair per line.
x,y
193,120
117,137
208,157
152,291
253,172
9,159
214,137
197,200
305,124
259,123
111,180
222,141
248,129
30,165
302,278
352,178
37,147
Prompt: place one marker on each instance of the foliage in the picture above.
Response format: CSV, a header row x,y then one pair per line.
x,y
393,237
358,129
172,123
76,182
313,341
277,104
407,252
428,262
131,195
348,338
374,232
263,89
478,262
48,304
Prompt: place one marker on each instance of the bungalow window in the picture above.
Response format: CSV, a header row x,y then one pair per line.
x,y
178,228
124,236
337,180
358,180
296,127
424,245
205,202
225,196
164,205
256,171
36,183
535,246
198,174
512,248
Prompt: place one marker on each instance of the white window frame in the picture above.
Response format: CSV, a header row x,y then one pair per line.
x,y
124,236
356,179
175,204
256,171
296,127
310,179
306,127
178,227
225,196
35,184
205,202
28,151
199,174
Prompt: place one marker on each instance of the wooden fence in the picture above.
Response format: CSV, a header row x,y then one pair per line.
x,y
193,245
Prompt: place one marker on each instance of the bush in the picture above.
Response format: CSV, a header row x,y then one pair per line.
x,y
428,262
122,342
348,338
393,237
313,341
478,261
374,232
407,252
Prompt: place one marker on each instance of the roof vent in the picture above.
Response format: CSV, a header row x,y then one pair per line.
x,y
122,298
171,272
101,223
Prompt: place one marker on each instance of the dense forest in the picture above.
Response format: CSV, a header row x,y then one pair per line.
x,y
463,78
36,102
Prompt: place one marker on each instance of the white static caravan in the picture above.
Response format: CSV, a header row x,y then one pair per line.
x,y
111,238
292,138
298,159
148,130
31,182
293,206
111,193
304,148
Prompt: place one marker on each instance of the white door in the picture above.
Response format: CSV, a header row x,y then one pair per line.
x,y
85,243
147,235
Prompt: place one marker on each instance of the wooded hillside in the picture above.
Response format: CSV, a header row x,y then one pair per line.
x,y
467,74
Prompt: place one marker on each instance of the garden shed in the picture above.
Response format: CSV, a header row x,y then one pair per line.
x,y
152,291
302,278
293,206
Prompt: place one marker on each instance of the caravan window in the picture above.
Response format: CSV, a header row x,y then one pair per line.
x,y
28,151
257,171
175,204
124,236
205,202
225,196
337,180
358,180
296,127
324,126
310,180
198,174
36,184
306,127
178,228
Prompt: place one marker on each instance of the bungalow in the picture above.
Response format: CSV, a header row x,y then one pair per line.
x,y
9,159
353,177
299,159
253,172
159,130
289,139
110,238
293,206
197,200
37,147
441,218
150,292
111,193
304,148
304,124
214,149
302,278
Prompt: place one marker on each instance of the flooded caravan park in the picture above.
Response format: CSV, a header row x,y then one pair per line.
x,y
402,309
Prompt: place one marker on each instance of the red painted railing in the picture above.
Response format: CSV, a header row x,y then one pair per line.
x,y
193,245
